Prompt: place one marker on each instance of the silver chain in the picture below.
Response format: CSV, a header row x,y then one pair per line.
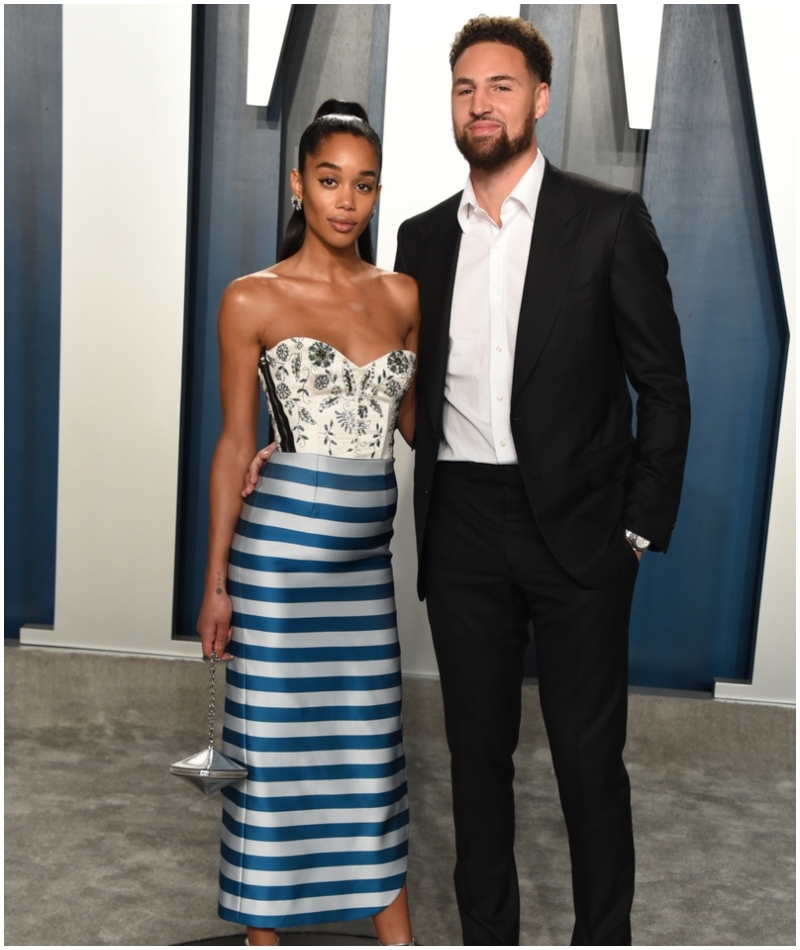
x,y
212,697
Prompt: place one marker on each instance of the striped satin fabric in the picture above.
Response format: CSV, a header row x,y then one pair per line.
x,y
318,831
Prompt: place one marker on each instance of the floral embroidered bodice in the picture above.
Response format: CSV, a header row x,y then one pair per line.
x,y
320,402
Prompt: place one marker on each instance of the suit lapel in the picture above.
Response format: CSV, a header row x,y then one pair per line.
x,y
558,231
436,279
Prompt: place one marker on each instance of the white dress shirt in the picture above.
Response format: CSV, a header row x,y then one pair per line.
x,y
492,264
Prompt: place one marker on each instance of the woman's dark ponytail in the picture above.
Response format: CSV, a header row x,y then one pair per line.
x,y
332,117
293,236
364,245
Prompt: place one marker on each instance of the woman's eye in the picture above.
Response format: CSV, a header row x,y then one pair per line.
x,y
365,187
327,182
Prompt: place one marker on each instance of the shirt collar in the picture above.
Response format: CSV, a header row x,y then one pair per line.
x,y
525,192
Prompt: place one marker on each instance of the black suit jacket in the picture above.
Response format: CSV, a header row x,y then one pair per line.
x,y
596,312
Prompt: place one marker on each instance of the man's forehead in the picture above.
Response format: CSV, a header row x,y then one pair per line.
x,y
487,59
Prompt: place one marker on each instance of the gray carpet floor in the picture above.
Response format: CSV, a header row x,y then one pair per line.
x,y
103,847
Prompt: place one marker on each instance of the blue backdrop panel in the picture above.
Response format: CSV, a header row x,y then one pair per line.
x,y
240,168
695,609
232,231
32,308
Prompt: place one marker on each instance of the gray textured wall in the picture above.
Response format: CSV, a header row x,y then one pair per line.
x,y
337,51
586,128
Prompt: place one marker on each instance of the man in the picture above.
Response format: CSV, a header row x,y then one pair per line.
x,y
542,294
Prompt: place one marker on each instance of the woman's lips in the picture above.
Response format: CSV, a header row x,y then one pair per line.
x,y
341,224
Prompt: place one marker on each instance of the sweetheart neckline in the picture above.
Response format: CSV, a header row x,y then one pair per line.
x,y
312,339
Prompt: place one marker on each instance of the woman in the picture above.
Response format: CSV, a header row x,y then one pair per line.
x,y
298,583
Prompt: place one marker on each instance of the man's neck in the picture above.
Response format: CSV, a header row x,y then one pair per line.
x,y
493,187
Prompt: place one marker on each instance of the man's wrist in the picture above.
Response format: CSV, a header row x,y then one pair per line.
x,y
636,541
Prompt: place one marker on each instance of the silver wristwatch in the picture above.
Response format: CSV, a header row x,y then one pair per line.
x,y
636,541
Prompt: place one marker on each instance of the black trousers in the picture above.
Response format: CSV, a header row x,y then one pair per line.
x,y
488,572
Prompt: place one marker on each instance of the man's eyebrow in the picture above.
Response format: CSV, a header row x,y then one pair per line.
x,y
463,81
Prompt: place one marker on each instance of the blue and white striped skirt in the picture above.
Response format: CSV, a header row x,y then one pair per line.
x,y
319,829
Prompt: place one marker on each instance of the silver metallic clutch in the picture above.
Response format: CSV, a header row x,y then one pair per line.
x,y
209,770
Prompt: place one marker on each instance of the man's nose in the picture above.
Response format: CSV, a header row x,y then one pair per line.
x,y
480,104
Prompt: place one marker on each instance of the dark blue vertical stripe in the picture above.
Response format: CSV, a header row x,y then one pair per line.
x,y
33,94
233,210
695,611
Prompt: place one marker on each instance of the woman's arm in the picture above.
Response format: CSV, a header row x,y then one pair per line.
x,y
407,413
239,347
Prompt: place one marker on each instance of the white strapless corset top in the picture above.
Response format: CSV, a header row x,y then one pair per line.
x,y
322,403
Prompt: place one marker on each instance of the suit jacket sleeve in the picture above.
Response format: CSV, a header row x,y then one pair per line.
x,y
403,261
649,337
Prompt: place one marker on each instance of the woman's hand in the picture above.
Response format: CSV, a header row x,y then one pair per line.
x,y
254,469
214,622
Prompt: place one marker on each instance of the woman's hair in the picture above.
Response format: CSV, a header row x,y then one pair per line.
x,y
333,118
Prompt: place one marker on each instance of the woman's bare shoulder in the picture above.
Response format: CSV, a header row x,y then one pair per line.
x,y
253,294
252,288
398,296
248,303
401,289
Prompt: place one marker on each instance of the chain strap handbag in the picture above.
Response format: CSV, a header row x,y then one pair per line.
x,y
210,770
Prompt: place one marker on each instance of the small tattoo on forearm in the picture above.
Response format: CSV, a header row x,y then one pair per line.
x,y
219,590
219,584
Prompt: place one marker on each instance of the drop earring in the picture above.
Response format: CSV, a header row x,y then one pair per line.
x,y
297,202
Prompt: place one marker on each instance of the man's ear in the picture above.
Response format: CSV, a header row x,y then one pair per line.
x,y
541,100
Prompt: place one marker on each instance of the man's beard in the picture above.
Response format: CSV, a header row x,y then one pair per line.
x,y
491,154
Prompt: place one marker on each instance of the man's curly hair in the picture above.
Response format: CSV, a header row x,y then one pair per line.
x,y
513,31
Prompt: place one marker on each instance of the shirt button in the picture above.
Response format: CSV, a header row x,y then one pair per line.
x,y
499,398
502,445
499,349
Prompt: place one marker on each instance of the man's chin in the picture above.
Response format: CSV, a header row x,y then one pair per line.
x,y
487,159
480,143
492,152
486,145
478,151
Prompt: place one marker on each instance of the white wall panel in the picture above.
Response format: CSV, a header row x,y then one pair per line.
x,y
640,39
127,73
770,37
267,26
